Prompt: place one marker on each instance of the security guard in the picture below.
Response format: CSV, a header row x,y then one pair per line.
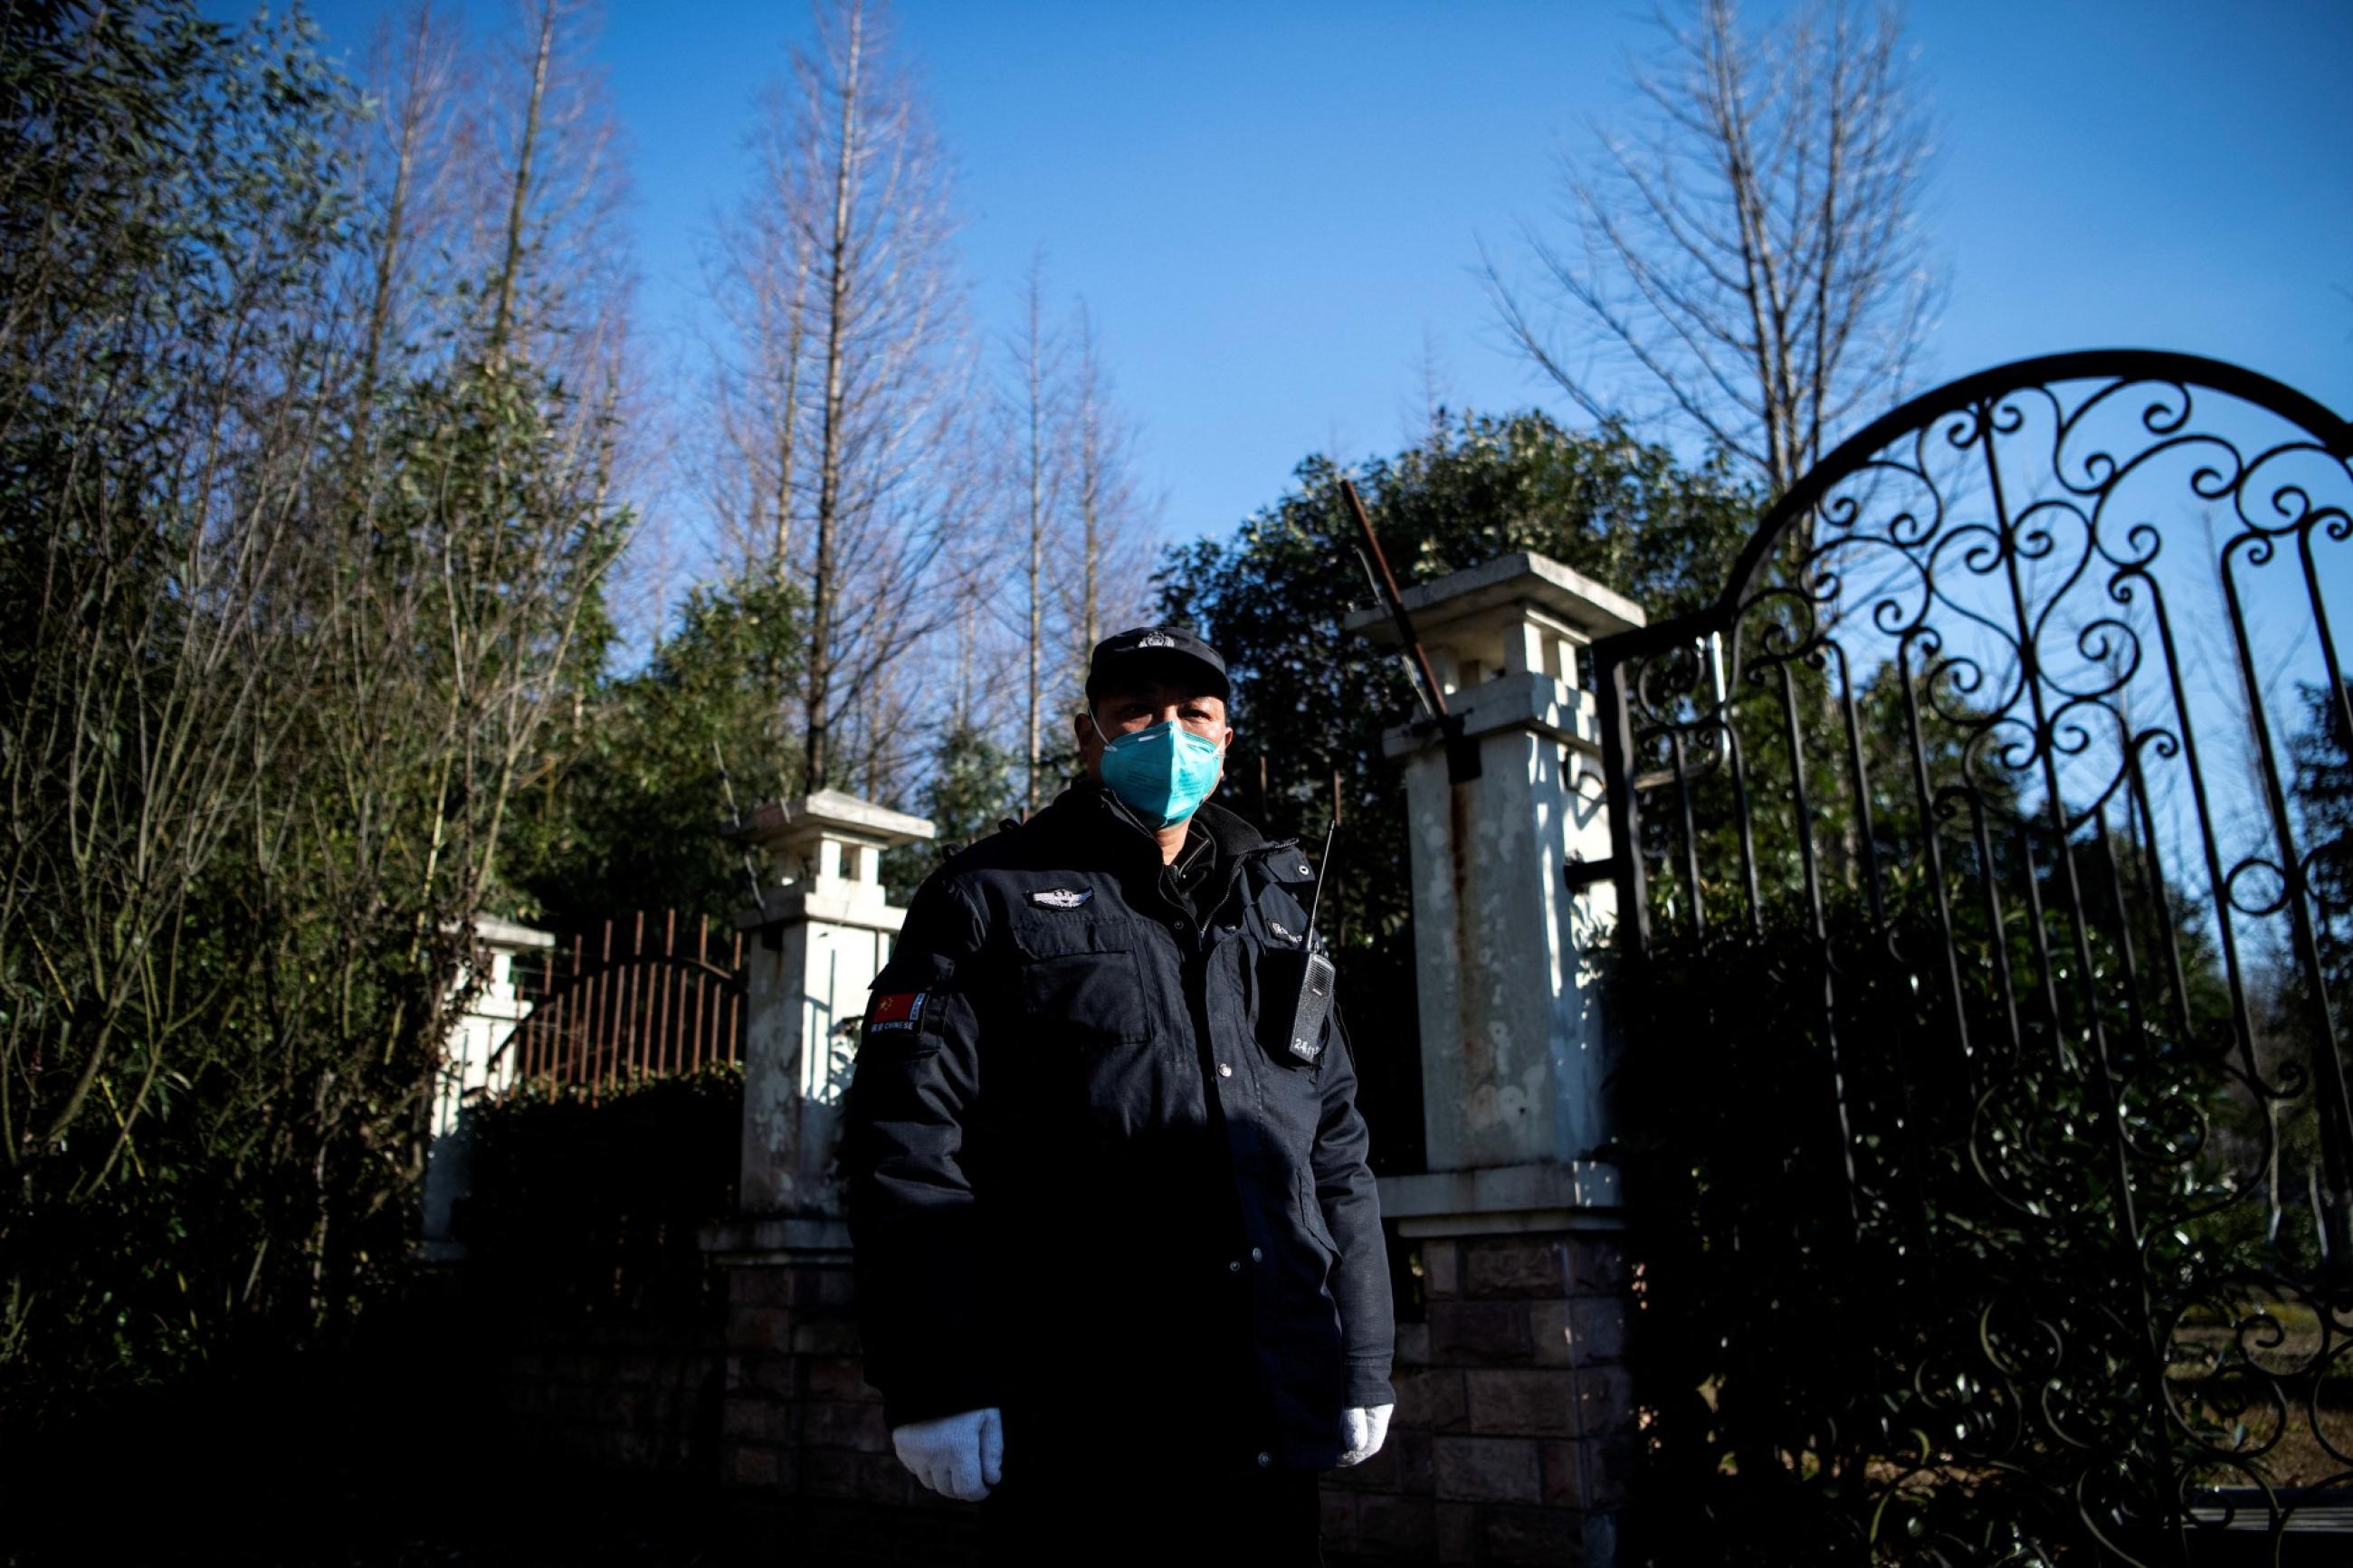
x,y
1118,1257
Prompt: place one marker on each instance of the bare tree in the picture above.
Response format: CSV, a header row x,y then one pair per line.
x,y
1072,515
545,153
1115,524
1756,256
1038,368
403,168
318,550
846,389
760,387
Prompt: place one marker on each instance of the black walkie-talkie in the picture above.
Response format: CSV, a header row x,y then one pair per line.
x,y
1305,1038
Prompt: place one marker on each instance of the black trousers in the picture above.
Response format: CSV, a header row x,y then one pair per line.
x,y
1229,1519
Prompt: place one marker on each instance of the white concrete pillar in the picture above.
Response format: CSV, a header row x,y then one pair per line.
x,y
1517,1229
824,932
1513,1054
475,1062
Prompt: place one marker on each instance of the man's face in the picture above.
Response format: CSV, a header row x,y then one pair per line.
x,y
1141,704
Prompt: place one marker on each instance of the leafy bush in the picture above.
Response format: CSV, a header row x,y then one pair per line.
x,y
1916,1217
291,605
593,1210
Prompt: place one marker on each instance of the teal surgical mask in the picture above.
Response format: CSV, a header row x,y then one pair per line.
x,y
1163,773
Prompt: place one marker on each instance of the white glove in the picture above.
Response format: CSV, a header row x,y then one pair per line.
x,y
958,1456
1361,1431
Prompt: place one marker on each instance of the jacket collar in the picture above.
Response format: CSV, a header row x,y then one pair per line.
x,y
1093,809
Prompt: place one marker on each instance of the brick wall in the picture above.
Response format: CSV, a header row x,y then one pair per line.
x,y
1514,1432
623,1395
802,1435
1512,1441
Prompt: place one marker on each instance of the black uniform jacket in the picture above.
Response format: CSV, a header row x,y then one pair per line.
x,y
1088,1184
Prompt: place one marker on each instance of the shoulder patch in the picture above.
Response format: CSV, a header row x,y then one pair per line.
x,y
901,1010
1061,898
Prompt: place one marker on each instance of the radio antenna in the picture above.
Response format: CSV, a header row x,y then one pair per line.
x,y
1322,864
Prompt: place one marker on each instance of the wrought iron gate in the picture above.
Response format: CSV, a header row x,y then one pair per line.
x,y
1985,862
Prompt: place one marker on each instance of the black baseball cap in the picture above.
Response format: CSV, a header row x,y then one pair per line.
x,y
1136,649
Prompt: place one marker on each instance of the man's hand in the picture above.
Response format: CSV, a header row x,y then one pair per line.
x,y
962,1456
1361,1432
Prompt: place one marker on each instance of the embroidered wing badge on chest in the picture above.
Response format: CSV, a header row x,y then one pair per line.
x,y
1061,898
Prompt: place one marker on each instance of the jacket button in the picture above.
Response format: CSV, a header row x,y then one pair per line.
x,y
1256,1256
1225,1070
1264,1458
1235,1266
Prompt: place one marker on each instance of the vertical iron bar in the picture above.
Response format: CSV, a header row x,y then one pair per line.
x,y
1691,835
2330,1097
663,1034
560,1063
1861,784
1950,965
2046,968
663,986
701,983
673,1051
1625,812
1802,799
1747,829
2208,837
599,1046
1804,812
634,1009
2135,1017
2338,694
735,1000
2168,927
1997,936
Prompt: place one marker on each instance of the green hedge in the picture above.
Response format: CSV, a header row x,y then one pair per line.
x,y
594,1210
1890,1311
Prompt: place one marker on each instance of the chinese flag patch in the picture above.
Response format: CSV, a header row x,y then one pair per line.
x,y
901,1010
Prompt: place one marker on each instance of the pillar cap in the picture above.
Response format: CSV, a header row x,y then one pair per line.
x,y
510,936
1506,583
829,811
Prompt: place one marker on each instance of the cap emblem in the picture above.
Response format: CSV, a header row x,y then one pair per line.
x,y
1153,639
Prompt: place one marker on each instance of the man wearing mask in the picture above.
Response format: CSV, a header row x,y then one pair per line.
x,y
1119,1256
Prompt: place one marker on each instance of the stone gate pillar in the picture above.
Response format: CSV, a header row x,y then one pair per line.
x,y
474,1062
798,1414
1515,1414
824,932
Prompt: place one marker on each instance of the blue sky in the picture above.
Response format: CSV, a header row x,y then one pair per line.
x,y
1270,206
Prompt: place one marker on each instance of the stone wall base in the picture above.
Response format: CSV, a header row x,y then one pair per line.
x,y
620,1396
1512,1442
801,1435
1515,1433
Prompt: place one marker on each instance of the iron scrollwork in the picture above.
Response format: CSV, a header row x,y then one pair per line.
x,y
1997,796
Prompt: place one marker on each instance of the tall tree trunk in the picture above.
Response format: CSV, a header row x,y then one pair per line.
x,y
1089,493
403,171
823,586
518,197
1034,375
787,420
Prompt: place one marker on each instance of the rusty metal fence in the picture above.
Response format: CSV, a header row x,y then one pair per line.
x,y
636,996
